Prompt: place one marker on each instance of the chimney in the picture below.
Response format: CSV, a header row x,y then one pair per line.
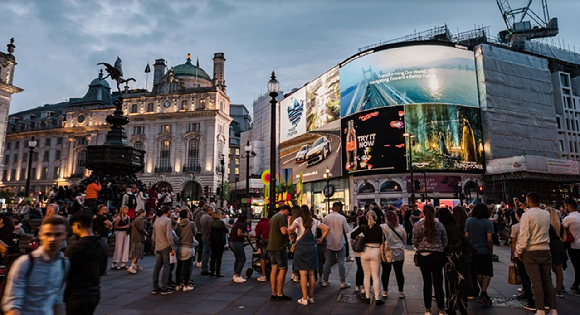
x,y
159,71
218,70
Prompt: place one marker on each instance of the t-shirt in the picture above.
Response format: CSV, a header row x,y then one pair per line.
x,y
234,233
477,230
99,225
572,223
277,241
300,228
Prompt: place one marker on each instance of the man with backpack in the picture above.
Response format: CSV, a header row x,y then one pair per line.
x,y
36,281
130,201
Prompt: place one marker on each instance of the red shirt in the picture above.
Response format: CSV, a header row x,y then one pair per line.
x,y
262,229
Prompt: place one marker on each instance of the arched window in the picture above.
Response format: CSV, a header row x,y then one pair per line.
x,y
184,105
366,188
134,108
390,186
193,155
165,156
138,145
150,107
81,160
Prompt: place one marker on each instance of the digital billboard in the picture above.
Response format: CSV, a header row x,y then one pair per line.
x,y
408,75
323,99
374,140
293,115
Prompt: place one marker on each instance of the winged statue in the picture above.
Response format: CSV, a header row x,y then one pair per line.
x,y
116,73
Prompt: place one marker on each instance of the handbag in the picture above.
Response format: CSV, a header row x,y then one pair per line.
x,y
416,259
293,247
514,276
386,252
569,236
359,244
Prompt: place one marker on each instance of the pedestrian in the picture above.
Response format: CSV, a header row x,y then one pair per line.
x,y
533,249
141,199
295,275
305,253
236,241
164,247
262,233
278,252
557,251
36,281
526,284
360,275
572,226
371,256
480,232
430,240
83,285
130,201
218,242
122,225
137,242
455,286
197,213
397,239
205,225
102,225
92,194
186,232
152,197
335,245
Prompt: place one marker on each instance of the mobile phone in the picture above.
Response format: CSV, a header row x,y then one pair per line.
x,y
516,201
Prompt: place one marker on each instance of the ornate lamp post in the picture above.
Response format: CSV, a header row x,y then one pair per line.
x,y
249,153
327,176
409,137
31,145
273,88
222,163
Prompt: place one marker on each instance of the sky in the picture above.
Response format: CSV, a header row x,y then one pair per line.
x,y
59,43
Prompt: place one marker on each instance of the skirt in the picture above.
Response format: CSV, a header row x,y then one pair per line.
x,y
557,252
136,250
305,253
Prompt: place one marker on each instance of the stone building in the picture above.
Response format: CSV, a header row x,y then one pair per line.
x,y
182,124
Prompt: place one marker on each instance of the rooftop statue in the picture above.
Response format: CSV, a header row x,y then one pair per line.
x,y
116,73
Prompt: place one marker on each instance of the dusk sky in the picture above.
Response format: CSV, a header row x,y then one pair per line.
x,y
59,43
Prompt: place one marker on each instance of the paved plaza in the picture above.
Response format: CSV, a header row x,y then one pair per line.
x,y
127,294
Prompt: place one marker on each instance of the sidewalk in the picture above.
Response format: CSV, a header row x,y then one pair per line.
x,y
127,294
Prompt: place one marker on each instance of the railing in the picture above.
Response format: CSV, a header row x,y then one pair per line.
x,y
192,169
164,169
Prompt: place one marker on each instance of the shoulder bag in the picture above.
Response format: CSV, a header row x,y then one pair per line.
x,y
359,243
386,252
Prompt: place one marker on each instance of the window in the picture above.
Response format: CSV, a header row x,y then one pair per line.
x,y
17,145
25,157
22,174
564,80
202,104
59,140
138,130
44,173
237,152
134,108
237,171
193,154
570,145
8,146
35,156
150,107
165,128
81,160
6,159
567,124
81,141
237,161
47,142
138,145
57,155
558,122
192,127
183,105
56,173
165,155
46,156
13,175
33,175
567,102
5,175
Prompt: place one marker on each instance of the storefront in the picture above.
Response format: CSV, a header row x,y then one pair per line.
x,y
314,196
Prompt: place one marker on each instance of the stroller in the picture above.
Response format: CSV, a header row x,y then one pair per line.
x,y
256,262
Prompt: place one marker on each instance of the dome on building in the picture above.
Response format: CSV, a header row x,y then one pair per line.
x,y
190,70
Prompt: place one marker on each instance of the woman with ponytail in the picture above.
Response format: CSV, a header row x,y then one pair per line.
x,y
371,257
430,240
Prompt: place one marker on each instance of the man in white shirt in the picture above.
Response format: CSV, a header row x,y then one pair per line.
x,y
533,248
336,245
572,225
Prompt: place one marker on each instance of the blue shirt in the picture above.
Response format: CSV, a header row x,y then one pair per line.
x,y
41,290
477,230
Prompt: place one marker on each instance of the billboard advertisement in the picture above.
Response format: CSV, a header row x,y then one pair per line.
x,y
313,152
408,75
374,140
293,115
323,100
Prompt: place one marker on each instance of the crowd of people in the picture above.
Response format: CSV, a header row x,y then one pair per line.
x,y
453,250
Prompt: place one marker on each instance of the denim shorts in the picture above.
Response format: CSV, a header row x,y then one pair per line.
x,y
279,258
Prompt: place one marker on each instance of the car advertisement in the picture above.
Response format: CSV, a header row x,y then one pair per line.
x,y
293,115
313,152
408,75
374,140
323,100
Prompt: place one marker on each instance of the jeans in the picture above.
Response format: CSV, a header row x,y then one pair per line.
x,y
205,255
360,275
321,259
371,265
432,270
215,264
161,265
539,268
526,284
238,249
183,272
83,306
335,257
398,266
575,259
199,247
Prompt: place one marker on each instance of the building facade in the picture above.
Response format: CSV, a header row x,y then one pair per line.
x,y
182,124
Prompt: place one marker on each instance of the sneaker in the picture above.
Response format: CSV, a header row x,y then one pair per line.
x,y
559,294
167,291
283,298
401,295
188,288
132,270
356,288
310,300
529,307
324,283
239,280
379,302
344,285
155,291
385,294
302,301
427,312
262,279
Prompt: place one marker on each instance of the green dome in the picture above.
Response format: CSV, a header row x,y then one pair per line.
x,y
190,70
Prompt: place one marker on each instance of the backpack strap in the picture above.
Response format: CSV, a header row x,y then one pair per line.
x,y
30,265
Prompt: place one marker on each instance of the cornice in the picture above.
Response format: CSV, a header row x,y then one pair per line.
x,y
10,88
157,116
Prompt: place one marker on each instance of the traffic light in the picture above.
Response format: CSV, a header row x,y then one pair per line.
x,y
480,190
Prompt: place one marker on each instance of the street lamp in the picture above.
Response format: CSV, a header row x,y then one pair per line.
x,y
273,88
249,153
409,138
31,145
327,176
222,163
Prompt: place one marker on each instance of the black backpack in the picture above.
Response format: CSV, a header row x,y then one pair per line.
x,y
132,202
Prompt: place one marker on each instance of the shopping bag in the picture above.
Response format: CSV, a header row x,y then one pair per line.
x,y
514,275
